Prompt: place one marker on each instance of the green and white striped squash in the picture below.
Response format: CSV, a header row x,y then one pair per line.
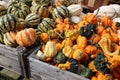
x,y
1,38
46,25
32,19
60,12
19,9
3,10
8,22
41,10
9,38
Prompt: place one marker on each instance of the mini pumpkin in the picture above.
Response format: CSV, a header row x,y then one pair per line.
x,y
78,54
106,21
44,37
89,49
26,37
67,42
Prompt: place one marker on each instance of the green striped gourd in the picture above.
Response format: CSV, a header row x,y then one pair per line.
x,y
21,24
9,38
45,25
3,10
8,22
32,19
19,9
41,10
1,38
61,12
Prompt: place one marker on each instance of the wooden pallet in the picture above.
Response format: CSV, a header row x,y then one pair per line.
x,y
39,70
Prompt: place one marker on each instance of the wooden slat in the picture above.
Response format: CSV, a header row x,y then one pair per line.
x,y
49,72
10,64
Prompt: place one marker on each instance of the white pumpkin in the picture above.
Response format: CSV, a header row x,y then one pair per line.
x,y
116,7
75,9
116,20
106,11
3,3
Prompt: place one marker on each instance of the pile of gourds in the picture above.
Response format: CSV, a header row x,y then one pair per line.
x,y
89,48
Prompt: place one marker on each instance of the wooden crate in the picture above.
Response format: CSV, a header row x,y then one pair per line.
x,y
13,58
42,71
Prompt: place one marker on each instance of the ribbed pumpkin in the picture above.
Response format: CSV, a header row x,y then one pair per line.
x,y
19,9
45,25
8,22
26,37
3,10
9,38
60,12
32,19
41,10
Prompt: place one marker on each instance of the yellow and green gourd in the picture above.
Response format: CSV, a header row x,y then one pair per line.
x,y
45,25
60,12
32,19
8,22
19,9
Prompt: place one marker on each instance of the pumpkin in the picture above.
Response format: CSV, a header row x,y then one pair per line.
x,y
3,10
67,42
75,9
46,25
19,9
60,12
105,11
50,49
68,51
89,49
82,23
72,34
9,38
95,38
32,19
26,37
106,21
44,37
41,10
8,22
99,29
78,54
81,42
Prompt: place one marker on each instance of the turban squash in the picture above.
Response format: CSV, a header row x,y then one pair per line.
x,y
26,37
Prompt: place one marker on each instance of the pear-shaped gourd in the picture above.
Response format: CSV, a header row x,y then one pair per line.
x,y
50,49
41,55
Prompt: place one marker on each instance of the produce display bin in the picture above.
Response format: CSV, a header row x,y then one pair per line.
x,y
13,58
39,70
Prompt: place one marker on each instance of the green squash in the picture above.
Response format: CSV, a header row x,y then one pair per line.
x,y
8,22
45,25
19,9
60,12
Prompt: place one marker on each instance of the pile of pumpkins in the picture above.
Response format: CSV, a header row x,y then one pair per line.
x,y
67,40
20,18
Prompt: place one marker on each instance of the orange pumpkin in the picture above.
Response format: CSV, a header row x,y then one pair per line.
x,y
95,38
67,42
44,37
78,54
89,49
106,21
91,18
26,37
99,30
81,42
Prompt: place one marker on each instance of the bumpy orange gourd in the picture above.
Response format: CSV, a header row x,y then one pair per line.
x,y
106,21
26,37
44,37
78,54
81,42
99,30
89,49
67,42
